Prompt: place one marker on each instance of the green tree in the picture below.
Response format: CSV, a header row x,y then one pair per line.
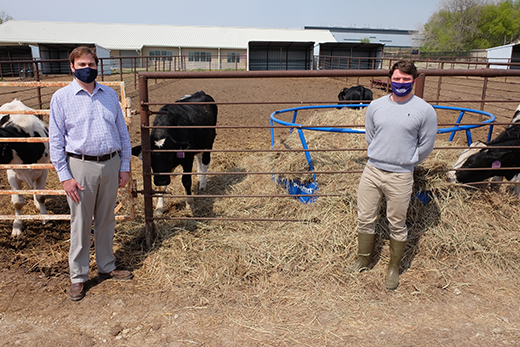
x,y
499,24
454,27
463,25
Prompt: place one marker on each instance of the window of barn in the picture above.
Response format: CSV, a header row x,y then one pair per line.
x,y
199,56
168,55
233,57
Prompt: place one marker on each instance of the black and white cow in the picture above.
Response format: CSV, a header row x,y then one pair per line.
x,y
496,158
23,125
355,93
182,139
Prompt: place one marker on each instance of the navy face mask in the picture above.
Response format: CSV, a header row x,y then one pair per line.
x,y
401,89
86,75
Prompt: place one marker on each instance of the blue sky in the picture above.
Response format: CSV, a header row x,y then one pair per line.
x,y
289,14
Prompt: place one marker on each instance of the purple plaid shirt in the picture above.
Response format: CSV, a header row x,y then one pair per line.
x,y
86,124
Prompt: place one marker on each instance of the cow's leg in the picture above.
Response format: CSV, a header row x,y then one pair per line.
x,y
516,187
186,181
496,187
202,168
39,200
17,201
159,208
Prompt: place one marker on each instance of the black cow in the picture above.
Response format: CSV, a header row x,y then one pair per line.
x,y
355,93
182,139
496,158
23,125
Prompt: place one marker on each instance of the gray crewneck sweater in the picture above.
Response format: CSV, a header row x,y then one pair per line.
x,y
399,135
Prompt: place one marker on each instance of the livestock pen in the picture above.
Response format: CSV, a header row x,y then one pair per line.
x,y
257,282
145,113
127,195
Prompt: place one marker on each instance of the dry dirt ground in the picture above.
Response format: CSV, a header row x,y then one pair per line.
x,y
482,310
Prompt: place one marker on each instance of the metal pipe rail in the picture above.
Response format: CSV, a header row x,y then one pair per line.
x,y
145,111
127,194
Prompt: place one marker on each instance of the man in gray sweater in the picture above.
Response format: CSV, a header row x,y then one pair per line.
x,y
400,131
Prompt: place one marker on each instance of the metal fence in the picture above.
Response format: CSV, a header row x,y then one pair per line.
x,y
145,113
127,195
492,91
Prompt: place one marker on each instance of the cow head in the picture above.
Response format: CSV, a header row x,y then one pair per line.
x,y
167,161
488,159
342,94
163,162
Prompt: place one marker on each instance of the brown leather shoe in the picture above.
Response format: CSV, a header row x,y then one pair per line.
x,y
117,275
77,291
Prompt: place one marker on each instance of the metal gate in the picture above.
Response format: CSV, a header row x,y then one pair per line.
x,y
127,195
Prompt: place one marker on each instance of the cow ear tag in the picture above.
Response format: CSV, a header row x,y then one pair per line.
x,y
180,155
496,164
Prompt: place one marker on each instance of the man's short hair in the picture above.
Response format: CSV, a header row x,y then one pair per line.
x,y
405,66
82,51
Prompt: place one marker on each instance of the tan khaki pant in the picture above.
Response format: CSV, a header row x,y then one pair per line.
x,y
100,180
397,189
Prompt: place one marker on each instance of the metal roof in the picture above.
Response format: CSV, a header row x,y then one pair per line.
x,y
136,36
388,37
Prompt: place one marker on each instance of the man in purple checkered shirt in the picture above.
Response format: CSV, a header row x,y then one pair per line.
x,y
90,149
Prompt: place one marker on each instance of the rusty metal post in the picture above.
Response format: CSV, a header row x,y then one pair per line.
x,y
484,90
147,162
121,68
135,71
483,97
419,85
38,89
439,84
102,70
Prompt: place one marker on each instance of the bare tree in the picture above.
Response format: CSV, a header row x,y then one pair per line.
x,y
4,16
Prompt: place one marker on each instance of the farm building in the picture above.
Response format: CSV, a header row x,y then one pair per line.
x,y
213,48
394,40
188,47
504,55
342,55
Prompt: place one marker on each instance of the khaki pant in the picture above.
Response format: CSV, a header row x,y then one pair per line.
x,y
397,189
98,199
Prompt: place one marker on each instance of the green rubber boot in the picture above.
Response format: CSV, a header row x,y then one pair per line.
x,y
366,244
396,254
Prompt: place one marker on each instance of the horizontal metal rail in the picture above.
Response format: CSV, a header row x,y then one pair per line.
x,y
52,217
127,195
146,112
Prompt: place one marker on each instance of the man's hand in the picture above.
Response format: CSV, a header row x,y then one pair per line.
x,y
124,177
71,188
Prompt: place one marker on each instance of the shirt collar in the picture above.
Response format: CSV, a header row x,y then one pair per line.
x,y
77,88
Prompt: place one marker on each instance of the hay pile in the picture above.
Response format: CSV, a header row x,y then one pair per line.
x,y
460,226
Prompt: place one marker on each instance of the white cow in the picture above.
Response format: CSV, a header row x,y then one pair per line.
x,y
23,125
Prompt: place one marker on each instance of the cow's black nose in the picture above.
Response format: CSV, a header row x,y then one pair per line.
x,y
161,180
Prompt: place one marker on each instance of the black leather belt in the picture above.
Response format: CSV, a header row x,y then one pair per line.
x,y
91,157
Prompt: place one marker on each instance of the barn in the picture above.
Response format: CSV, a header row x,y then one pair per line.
x,y
394,40
280,55
344,56
186,47
191,47
504,55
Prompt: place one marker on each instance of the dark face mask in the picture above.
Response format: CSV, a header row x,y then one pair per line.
x,y
86,75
